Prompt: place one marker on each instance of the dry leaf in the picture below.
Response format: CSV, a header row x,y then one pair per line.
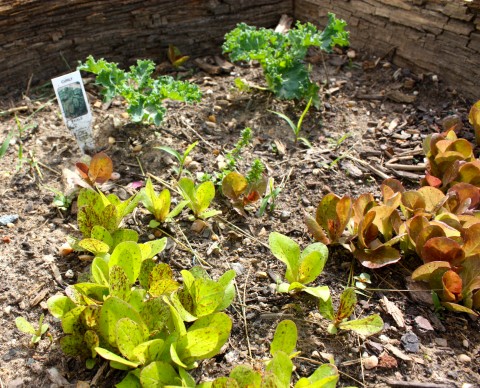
x,y
394,311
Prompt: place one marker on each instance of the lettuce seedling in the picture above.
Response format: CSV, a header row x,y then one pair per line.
x,y
159,204
99,171
26,327
282,56
175,57
180,157
302,267
96,209
198,198
143,94
348,300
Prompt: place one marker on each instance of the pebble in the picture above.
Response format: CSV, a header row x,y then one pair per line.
x,y
210,124
285,215
410,342
441,342
17,383
137,148
151,236
111,140
464,358
10,225
115,176
7,219
370,362
465,343
117,123
70,274
238,268
261,274
7,310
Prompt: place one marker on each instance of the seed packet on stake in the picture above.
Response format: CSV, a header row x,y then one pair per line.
x,y
75,108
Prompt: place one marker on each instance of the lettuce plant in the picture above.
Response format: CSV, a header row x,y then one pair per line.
x,y
198,198
143,94
26,327
282,56
99,171
279,368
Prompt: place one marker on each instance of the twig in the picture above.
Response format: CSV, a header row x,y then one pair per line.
x,y
241,231
49,168
21,108
192,251
415,384
98,374
140,165
199,136
369,166
244,316
406,167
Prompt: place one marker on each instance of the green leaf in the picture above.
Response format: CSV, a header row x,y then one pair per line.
x,y
92,341
161,280
24,326
128,256
74,345
348,301
149,351
204,194
71,320
158,374
97,247
287,251
170,151
112,311
6,143
108,355
320,292
59,305
121,235
207,295
325,376
325,308
281,366
152,248
285,338
129,336
100,271
227,281
312,261
246,377
187,188
155,313
365,326
129,381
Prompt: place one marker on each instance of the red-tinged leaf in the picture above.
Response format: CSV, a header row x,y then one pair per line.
x,y
344,213
474,119
412,202
462,146
452,286
442,249
470,274
361,206
459,308
101,168
415,226
471,238
452,123
82,169
426,234
377,258
392,190
450,173
234,185
432,180
251,197
433,197
470,173
383,220
425,271
466,192
476,300
316,230
348,300
367,231
326,214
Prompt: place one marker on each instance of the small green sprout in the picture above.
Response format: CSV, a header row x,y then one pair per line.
x,y
180,157
26,327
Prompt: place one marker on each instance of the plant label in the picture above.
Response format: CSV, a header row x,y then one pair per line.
x,y
75,108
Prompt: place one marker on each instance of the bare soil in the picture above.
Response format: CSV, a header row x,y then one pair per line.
x,y
367,118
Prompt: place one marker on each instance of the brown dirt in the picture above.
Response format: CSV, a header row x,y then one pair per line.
x,y
353,106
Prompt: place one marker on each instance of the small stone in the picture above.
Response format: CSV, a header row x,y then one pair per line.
x,y
7,310
137,148
10,225
387,361
117,123
370,362
65,249
151,236
210,124
410,342
285,215
8,219
17,383
441,342
261,274
238,268
315,354
465,343
111,140
69,274
464,358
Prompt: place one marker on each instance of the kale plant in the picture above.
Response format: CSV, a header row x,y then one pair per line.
x,y
282,55
143,93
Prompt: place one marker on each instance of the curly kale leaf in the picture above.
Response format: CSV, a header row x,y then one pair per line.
x,y
143,93
282,55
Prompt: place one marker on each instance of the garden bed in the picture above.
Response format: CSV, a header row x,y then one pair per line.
x,y
371,113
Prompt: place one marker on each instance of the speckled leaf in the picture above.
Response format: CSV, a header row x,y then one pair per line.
x,y
92,341
225,382
92,292
121,235
89,197
108,355
246,377
227,282
71,320
161,280
207,295
285,338
158,374
155,313
87,218
102,234
348,300
112,311
183,303
74,345
90,316
152,248
281,366
119,283
95,246
364,326
128,256
59,305
287,251
100,271
145,269
198,344
129,336
325,308
149,351
137,298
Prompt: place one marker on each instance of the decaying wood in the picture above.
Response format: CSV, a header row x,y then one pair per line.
x,y
429,36
284,24
43,39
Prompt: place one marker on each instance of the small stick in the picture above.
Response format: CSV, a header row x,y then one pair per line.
x,y
415,384
98,374
244,314
369,166
406,167
14,110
